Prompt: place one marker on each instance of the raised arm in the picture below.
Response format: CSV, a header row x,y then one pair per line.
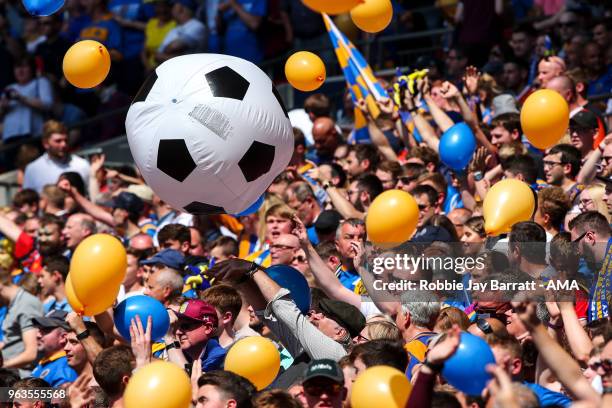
x,y
562,365
9,229
89,207
325,277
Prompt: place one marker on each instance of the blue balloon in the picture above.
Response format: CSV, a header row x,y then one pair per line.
x,y
143,306
465,370
457,146
291,279
252,208
42,7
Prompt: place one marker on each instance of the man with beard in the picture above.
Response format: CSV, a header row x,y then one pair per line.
x,y
361,193
591,232
300,197
30,250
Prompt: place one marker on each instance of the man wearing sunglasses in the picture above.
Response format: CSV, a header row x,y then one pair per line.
x,y
591,233
324,384
194,336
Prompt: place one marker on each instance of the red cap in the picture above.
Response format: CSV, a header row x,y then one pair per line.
x,y
196,309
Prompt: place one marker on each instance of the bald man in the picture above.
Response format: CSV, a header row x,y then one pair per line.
x,y
484,326
549,68
78,227
325,137
566,87
283,249
141,242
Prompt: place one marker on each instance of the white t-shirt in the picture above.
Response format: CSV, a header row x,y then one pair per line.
x,y
45,170
192,33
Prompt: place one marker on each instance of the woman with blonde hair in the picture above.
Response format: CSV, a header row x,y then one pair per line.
x,y
378,328
591,199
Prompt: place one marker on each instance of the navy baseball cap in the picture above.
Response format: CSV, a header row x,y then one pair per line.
x,y
127,201
167,257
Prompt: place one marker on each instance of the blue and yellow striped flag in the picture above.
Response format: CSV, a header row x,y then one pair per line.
x,y
360,79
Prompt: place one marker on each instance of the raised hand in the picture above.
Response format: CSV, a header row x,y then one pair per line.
x,y
299,230
449,90
470,79
443,350
80,394
141,341
97,162
386,106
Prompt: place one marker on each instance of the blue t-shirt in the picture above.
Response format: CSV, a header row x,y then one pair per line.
x,y
55,370
75,25
106,31
312,235
601,85
547,397
214,356
239,40
53,304
132,10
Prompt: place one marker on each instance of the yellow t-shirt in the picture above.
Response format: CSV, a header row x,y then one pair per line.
x,y
154,36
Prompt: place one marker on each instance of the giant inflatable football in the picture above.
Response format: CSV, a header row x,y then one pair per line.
x,y
209,133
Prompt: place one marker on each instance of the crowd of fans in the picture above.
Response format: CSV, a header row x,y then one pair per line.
x,y
200,267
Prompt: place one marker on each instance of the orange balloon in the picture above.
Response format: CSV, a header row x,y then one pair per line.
x,y
508,201
372,16
93,307
305,71
97,269
159,384
331,6
392,218
544,118
255,358
73,300
380,387
86,64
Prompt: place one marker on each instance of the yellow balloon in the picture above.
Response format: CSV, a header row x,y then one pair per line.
x,y
373,15
380,387
346,25
97,268
305,71
509,201
254,358
73,300
86,64
331,6
544,118
392,218
95,305
158,385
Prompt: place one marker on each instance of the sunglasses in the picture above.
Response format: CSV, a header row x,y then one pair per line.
x,y
423,207
580,237
186,326
484,326
407,179
300,259
605,364
319,388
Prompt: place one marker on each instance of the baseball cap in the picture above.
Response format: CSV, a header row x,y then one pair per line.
x,y
585,119
432,233
346,315
53,319
327,222
144,192
324,368
504,103
168,257
199,310
126,201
